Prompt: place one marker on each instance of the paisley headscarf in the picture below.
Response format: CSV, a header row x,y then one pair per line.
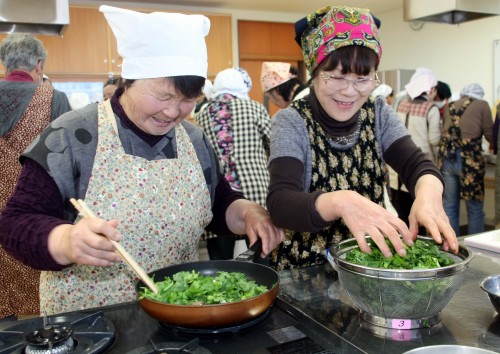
x,y
334,27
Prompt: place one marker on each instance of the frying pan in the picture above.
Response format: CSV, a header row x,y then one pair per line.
x,y
219,315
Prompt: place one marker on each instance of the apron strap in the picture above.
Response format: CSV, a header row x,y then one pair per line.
x,y
110,114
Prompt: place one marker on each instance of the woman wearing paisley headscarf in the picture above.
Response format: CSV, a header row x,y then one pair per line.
x,y
239,128
328,151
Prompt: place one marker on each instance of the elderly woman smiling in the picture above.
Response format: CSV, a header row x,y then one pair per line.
x,y
328,150
152,179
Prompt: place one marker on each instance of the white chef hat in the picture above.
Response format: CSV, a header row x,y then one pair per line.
x,y
159,44
473,91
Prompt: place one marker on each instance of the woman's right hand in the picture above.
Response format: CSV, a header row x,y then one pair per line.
x,y
85,242
365,218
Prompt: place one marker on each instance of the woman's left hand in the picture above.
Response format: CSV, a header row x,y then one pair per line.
x,y
427,210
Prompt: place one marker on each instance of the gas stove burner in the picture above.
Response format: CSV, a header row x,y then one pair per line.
x,y
75,333
50,339
48,336
191,347
61,348
219,331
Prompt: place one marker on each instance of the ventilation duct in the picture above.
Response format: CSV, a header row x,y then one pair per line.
x,y
49,17
450,11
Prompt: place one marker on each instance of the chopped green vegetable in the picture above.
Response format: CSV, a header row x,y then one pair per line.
x,y
187,288
422,255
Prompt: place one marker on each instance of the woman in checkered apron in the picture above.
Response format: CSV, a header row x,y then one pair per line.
x,y
239,129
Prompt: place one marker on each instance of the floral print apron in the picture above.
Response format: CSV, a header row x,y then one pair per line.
x,y
163,207
358,168
471,152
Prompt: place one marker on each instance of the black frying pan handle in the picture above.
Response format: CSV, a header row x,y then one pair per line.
x,y
252,254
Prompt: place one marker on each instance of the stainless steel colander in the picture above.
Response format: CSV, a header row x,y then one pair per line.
x,y
399,299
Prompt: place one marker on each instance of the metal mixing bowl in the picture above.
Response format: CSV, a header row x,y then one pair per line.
x,y
492,287
449,349
400,299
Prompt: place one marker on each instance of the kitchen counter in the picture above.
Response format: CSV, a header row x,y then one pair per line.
x,y
469,319
313,314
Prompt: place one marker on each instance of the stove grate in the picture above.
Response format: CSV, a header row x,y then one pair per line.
x,y
92,332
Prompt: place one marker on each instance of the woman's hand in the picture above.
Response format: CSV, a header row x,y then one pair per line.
x,y
365,218
246,217
85,242
427,210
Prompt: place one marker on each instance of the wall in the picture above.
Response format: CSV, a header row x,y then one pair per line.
x,y
458,54
236,14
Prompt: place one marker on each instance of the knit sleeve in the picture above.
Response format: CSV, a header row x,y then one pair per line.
x,y
33,211
389,126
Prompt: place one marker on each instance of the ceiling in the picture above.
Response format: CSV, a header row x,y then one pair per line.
x,y
292,6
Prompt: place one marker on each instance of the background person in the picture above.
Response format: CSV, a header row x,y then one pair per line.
x,y
461,157
404,94
239,128
110,87
443,95
26,108
384,91
494,149
203,100
328,151
46,80
280,83
152,179
423,122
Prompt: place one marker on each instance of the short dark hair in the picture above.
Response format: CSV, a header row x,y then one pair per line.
x,y
443,90
285,89
189,86
353,59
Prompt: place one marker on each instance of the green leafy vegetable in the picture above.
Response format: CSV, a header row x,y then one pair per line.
x,y
401,298
188,288
422,255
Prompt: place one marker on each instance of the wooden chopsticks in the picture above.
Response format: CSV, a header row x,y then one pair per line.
x,y
85,211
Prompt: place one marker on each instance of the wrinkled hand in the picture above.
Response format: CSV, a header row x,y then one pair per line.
x,y
84,243
258,224
364,217
427,210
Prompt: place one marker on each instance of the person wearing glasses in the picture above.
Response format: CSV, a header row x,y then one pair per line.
x,y
328,151
151,178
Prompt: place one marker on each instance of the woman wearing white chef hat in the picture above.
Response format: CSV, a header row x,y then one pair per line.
x,y
151,178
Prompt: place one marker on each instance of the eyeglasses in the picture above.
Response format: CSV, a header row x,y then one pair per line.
x,y
340,83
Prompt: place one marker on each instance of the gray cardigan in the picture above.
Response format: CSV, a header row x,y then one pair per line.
x,y
289,136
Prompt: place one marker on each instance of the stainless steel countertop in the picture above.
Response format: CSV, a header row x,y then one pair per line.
x,y
469,319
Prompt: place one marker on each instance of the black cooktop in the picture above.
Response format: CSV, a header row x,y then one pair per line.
x,y
283,329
